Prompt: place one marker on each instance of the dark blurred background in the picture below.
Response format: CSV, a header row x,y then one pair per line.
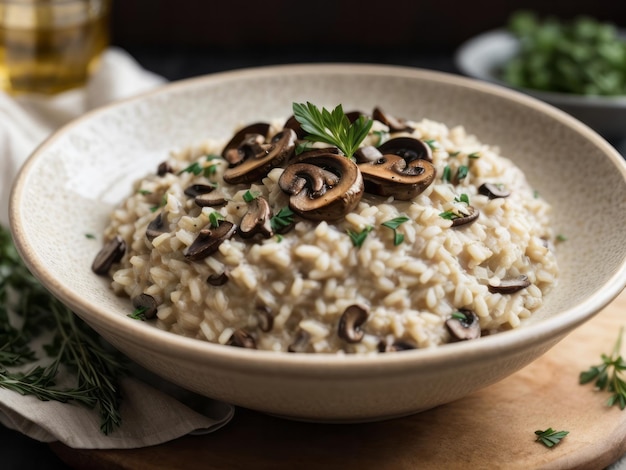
x,y
179,38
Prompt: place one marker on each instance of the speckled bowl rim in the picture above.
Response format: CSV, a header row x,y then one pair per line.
x,y
256,361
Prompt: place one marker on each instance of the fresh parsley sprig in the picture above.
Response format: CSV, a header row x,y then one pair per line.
x,y
550,437
74,347
609,375
332,127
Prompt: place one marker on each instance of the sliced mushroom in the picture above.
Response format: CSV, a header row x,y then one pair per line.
x,y
208,240
259,128
394,124
464,325
265,319
398,345
368,154
258,162
257,219
493,190
147,303
391,175
293,123
323,186
353,317
300,343
156,227
198,189
164,168
217,280
464,219
213,199
408,148
510,286
111,252
242,339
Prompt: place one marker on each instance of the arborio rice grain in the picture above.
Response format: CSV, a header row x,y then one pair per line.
x,y
288,292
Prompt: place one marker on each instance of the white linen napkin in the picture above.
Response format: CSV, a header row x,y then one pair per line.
x,y
153,411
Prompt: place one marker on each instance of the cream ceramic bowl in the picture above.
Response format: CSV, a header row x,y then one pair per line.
x,y
72,182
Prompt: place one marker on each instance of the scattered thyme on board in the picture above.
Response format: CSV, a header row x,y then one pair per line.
x,y
28,311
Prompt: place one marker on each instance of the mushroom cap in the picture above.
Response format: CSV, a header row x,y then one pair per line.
x,y
466,328
254,167
322,186
394,124
257,219
261,128
394,176
408,148
208,240
350,322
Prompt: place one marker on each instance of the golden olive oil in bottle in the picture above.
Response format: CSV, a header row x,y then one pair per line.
x,y
49,46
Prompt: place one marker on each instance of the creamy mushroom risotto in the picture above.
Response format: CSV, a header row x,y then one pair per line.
x,y
411,235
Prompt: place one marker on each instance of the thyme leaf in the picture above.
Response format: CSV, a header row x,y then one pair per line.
x,y
332,127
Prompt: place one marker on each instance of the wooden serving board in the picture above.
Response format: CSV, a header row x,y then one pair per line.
x,y
492,428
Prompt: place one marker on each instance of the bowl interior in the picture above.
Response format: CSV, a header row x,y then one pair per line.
x,y
68,187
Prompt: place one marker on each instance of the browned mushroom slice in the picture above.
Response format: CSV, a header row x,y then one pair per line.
x,y
465,219
164,168
393,176
510,286
265,319
217,280
258,163
368,154
198,189
394,124
463,325
493,190
322,187
147,303
293,123
260,128
156,227
242,339
213,199
398,345
300,343
257,219
408,148
208,240
111,252
350,322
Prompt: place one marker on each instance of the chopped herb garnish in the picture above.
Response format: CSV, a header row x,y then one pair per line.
x,y
74,346
279,238
162,204
332,127
454,154
464,198
462,172
432,143
447,173
449,215
283,219
214,219
561,238
609,375
382,137
249,196
459,316
138,314
359,237
90,236
144,192
393,224
536,194
197,169
474,155
550,437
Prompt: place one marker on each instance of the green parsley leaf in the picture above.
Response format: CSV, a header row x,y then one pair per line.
x,y
393,224
138,314
359,237
249,196
283,219
449,215
609,375
144,192
462,198
432,143
447,174
462,172
90,236
550,437
474,155
332,127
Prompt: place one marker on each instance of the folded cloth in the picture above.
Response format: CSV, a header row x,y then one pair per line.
x,y
152,410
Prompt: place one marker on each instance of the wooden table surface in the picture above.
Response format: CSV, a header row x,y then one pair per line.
x,y
492,428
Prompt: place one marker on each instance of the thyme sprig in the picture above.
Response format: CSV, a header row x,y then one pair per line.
x,y
74,348
609,375
332,127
